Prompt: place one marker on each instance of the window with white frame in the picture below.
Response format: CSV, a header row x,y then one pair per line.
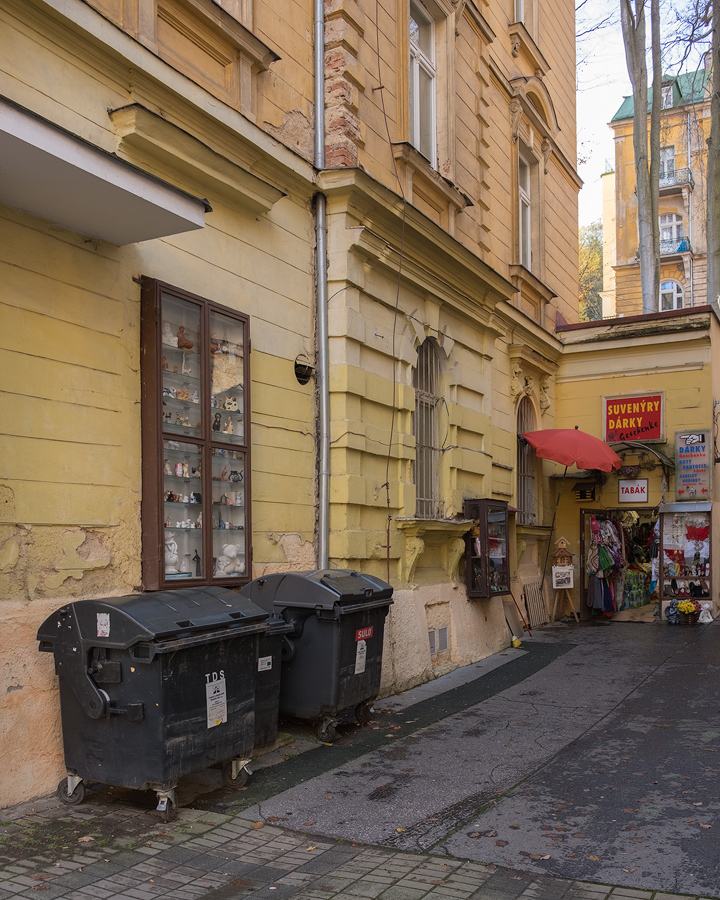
x,y
671,227
427,452
423,78
667,165
667,97
524,211
671,296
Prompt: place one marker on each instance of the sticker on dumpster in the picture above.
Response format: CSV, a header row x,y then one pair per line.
x,y
360,657
103,624
216,695
362,633
264,663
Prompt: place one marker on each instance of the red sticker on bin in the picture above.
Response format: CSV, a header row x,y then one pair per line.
x,y
363,633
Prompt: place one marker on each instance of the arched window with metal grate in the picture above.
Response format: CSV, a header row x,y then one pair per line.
x,y
527,509
427,453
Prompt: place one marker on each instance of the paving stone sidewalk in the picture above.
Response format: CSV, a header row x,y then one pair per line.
x,y
109,849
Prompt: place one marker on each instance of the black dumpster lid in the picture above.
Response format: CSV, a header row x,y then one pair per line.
x,y
320,589
121,622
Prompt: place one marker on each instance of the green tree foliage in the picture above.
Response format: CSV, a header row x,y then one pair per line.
x,y
591,271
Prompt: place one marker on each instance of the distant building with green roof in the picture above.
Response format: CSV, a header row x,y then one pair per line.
x,y
684,128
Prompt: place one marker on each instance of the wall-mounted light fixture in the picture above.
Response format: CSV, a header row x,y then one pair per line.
x,y
303,368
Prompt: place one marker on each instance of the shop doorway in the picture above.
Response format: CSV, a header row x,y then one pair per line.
x,y
617,548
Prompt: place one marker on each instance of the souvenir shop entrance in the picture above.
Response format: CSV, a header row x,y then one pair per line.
x,y
617,549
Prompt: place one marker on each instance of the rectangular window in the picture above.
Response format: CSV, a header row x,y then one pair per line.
x,y
667,166
667,97
525,213
196,474
422,82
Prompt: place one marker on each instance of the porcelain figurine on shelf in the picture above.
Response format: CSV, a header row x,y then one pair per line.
x,y
228,562
228,429
164,363
168,337
195,397
171,554
182,342
231,404
217,422
167,467
186,369
196,559
224,474
185,470
169,392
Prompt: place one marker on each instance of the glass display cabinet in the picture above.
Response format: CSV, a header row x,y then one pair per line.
x,y
195,457
487,570
685,559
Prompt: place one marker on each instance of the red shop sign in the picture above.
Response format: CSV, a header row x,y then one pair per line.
x,y
639,417
363,633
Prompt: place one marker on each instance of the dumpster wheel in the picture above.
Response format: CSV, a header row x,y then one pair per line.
x,y
363,712
77,796
325,731
240,780
169,813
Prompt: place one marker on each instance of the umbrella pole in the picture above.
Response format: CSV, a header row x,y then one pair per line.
x,y
552,528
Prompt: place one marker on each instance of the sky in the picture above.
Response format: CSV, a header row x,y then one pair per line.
x,y
602,83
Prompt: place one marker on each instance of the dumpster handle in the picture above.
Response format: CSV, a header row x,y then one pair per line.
x,y
359,607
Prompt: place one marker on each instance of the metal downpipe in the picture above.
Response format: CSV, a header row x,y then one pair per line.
x,y
321,310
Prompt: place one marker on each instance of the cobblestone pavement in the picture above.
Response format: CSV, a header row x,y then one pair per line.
x,y
109,849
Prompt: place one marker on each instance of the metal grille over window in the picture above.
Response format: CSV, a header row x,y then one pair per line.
x,y
527,514
427,452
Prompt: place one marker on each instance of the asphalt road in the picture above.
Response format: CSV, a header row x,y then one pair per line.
x,y
594,756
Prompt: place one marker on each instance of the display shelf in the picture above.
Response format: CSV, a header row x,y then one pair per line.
x,y
486,549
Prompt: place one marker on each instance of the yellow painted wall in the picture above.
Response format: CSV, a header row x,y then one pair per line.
x,y
70,476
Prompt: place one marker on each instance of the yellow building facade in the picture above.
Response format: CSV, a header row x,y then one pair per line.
x,y
164,164
684,129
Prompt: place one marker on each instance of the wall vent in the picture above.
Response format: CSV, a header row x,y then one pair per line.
x,y
431,638
442,639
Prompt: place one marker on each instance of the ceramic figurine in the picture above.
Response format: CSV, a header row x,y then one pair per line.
x,y
228,429
231,404
228,562
167,468
185,470
195,397
171,554
217,422
164,363
186,369
178,470
175,369
224,474
168,337
196,559
182,342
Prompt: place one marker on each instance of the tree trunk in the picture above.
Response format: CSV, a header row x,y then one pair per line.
x,y
647,170
712,228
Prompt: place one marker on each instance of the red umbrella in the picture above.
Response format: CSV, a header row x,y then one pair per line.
x,y
572,447
569,446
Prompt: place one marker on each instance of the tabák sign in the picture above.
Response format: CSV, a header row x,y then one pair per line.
x,y
632,490
637,417
692,464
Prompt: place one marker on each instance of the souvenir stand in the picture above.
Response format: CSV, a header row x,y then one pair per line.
x,y
685,569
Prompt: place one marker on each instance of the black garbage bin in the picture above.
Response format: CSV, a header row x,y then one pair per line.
x,y
267,679
155,686
338,618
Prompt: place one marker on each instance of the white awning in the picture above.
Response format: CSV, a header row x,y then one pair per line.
x,y
50,173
